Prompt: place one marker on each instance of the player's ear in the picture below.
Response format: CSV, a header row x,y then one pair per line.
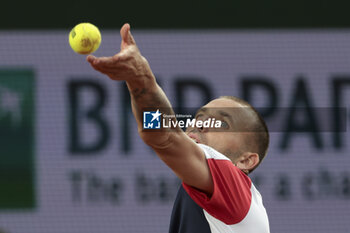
x,y
247,161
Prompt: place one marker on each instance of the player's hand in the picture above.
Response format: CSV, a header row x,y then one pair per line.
x,y
128,64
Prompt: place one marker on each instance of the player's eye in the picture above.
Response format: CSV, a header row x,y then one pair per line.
x,y
199,117
224,125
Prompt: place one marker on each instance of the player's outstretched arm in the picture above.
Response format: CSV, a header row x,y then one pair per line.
x,y
177,150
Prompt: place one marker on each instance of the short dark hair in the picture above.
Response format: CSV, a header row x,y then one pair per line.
x,y
260,138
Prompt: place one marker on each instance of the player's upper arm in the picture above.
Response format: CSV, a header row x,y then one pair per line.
x,y
188,161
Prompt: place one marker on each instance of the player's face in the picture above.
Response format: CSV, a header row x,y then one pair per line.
x,y
225,140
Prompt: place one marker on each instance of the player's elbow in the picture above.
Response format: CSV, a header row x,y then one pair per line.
x,y
156,140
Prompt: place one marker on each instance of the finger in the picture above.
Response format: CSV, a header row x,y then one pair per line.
x,y
109,72
90,58
107,69
125,33
105,61
101,69
98,69
112,61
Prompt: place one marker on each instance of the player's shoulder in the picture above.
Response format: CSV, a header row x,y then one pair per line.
x,y
211,153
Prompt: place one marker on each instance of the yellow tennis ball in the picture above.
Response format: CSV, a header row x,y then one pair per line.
x,y
85,38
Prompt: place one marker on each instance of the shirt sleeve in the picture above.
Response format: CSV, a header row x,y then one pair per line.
x,y
231,198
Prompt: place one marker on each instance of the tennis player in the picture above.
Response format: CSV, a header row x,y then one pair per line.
x,y
216,193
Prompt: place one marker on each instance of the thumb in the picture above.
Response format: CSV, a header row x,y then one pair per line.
x,y
125,33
